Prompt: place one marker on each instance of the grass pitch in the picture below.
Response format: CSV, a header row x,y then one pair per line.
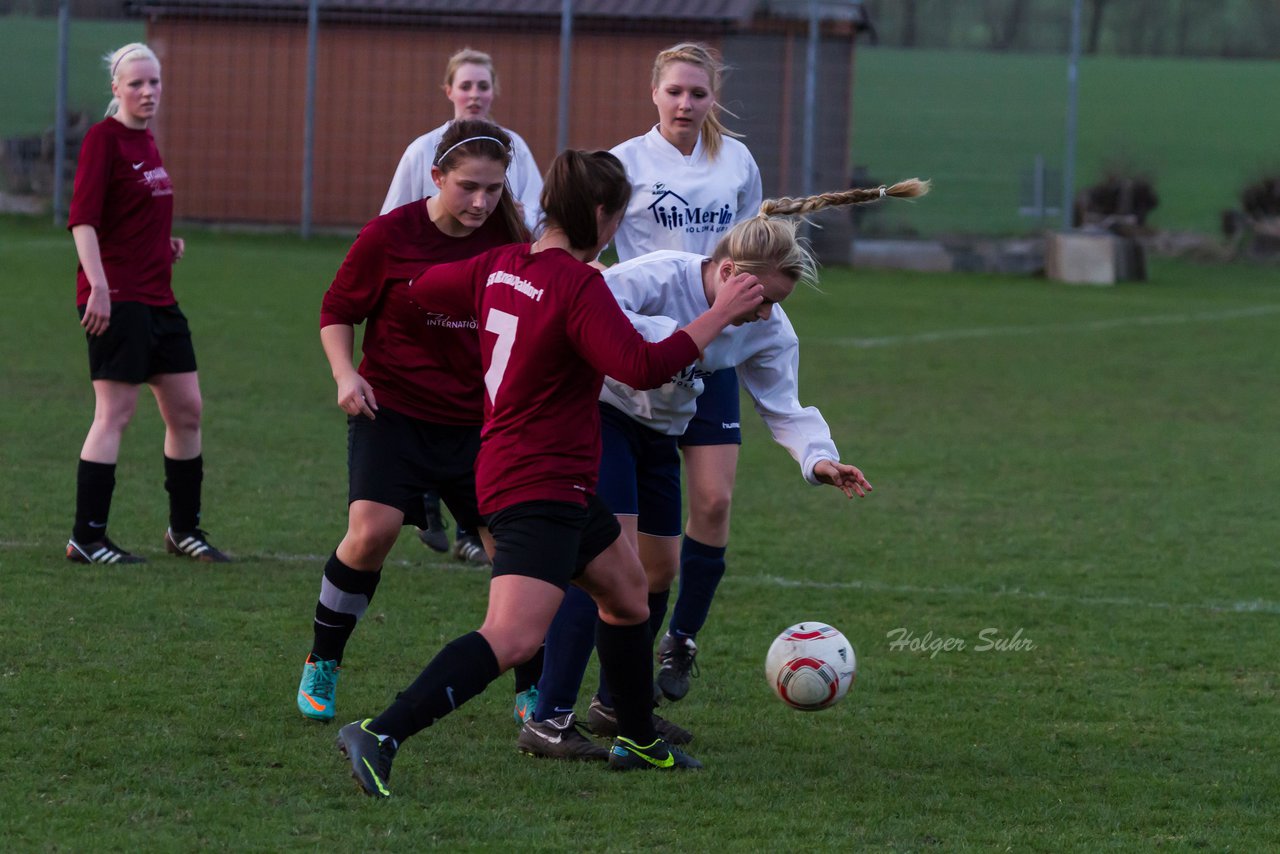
x,y
1090,471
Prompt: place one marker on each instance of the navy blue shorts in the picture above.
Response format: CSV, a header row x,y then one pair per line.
x,y
395,458
717,420
552,541
140,342
639,473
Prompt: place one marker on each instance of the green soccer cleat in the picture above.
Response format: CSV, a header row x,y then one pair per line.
x,y
370,755
317,688
526,702
626,755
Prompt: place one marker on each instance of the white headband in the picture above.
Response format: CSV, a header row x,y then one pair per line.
x,y
441,158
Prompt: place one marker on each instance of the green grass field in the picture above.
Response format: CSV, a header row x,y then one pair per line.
x,y
1092,471
974,121
30,47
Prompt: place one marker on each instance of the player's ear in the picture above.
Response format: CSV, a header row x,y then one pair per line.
x,y
726,269
437,177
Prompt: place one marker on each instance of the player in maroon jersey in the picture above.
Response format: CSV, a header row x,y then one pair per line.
x,y
550,331
121,219
414,406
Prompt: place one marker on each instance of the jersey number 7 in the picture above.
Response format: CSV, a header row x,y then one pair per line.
x,y
503,325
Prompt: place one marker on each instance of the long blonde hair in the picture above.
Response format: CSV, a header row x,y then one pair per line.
x,y
700,56
770,240
118,60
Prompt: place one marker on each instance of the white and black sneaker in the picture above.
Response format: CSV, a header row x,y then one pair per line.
x,y
676,663
193,544
100,551
559,738
470,550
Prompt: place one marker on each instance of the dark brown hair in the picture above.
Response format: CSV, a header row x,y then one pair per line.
x,y
578,182
468,138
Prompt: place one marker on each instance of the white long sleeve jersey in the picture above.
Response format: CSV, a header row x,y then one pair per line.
x,y
684,203
412,180
661,292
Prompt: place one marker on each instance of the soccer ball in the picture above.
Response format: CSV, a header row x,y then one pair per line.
x,y
810,666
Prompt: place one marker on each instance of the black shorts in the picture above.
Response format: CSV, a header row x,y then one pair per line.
x,y
141,341
395,458
551,540
639,473
717,419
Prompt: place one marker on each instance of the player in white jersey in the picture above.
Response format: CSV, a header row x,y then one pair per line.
x,y
690,182
639,470
470,84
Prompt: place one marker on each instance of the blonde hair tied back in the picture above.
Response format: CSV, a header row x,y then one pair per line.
x,y
118,60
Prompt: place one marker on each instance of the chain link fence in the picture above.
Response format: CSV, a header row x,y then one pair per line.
x,y
294,113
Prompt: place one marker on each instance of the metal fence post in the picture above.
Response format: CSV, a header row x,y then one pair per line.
x,y
309,126
60,118
566,65
1073,91
810,100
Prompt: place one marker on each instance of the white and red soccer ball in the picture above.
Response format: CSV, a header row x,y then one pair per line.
x,y
810,666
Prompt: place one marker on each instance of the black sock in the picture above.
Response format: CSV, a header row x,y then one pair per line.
x,y
528,673
658,611
94,484
182,480
345,593
459,672
626,657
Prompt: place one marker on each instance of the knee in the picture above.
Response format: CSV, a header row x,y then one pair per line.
x,y
114,419
626,605
367,544
511,645
711,509
186,418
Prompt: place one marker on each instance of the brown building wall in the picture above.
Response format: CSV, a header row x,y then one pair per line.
x,y
231,129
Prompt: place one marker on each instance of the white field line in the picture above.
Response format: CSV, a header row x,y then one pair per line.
x,y
1080,326
436,561
1254,606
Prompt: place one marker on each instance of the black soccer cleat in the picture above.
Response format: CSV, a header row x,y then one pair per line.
x,y
193,544
626,755
433,536
676,663
559,738
603,721
101,551
370,755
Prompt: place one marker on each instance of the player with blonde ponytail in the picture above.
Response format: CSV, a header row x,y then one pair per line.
x,y
121,220
640,465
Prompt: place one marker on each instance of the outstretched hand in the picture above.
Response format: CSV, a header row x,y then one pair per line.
x,y
848,479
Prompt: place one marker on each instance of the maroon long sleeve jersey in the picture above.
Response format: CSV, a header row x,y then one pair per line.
x,y
550,330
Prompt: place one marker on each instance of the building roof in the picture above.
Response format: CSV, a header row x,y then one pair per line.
x,y
715,14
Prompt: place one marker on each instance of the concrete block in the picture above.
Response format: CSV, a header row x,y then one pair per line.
x,y
1094,258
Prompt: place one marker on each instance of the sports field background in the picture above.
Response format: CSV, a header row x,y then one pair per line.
x,y
972,121
1094,469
